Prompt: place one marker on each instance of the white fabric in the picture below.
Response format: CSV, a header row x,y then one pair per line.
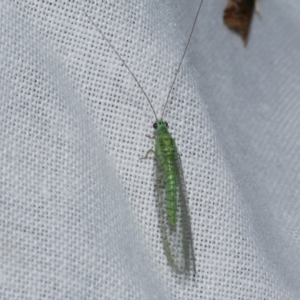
x,y
78,216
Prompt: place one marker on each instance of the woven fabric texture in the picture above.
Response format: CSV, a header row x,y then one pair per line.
x,y
78,215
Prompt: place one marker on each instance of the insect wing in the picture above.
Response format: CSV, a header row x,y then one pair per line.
x,y
177,239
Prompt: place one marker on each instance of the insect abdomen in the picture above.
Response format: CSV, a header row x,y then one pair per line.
x,y
166,158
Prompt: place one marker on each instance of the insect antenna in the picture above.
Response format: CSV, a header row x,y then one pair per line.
x,y
123,62
177,71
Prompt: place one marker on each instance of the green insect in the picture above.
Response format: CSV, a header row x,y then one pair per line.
x,y
170,189
173,213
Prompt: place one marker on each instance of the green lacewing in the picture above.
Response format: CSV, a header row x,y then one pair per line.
x,y
173,213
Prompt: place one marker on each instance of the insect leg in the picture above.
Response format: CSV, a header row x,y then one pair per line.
x,y
149,151
257,8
